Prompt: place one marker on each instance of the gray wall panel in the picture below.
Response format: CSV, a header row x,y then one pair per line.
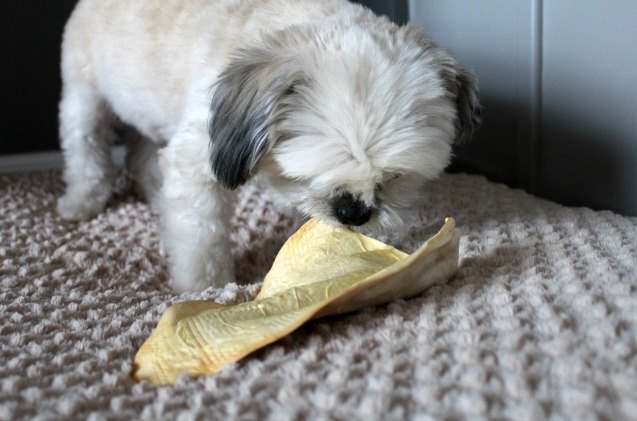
x,y
589,120
558,80
496,39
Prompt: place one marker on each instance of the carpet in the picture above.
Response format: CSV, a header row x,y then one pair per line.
x,y
540,321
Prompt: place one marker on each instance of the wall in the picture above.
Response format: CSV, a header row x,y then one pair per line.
x,y
588,153
397,10
558,80
30,36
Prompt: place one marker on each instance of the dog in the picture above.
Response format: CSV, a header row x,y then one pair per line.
x,y
342,114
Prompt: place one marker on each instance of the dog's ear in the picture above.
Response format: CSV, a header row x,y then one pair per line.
x,y
246,100
467,103
460,82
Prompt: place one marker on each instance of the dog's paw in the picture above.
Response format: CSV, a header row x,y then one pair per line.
x,y
72,209
209,274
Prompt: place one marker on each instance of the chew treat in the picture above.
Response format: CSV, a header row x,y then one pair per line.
x,y
321,270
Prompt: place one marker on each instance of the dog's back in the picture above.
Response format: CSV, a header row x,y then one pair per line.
x,y
143,56
138,55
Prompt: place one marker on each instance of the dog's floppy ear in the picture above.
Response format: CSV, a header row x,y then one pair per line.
x,y
467,103
460,82
245,102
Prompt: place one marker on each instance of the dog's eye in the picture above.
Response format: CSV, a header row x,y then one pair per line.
x,y
291,89
387,179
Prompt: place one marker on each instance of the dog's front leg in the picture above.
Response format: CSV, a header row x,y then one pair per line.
x,y
196,215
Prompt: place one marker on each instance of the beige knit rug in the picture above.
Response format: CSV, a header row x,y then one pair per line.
x,y
540,322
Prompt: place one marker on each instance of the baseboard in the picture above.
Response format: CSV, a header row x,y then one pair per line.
x,y
45,160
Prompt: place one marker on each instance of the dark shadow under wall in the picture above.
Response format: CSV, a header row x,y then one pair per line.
x,y
493,149
576,163
30,36
585,165
396,10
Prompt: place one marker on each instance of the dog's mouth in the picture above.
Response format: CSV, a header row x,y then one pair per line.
x,y
370,227
364,219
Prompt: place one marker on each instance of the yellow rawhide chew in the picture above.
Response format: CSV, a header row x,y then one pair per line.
x,y
321,270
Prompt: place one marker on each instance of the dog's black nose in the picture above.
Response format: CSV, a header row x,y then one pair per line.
x,y
351,211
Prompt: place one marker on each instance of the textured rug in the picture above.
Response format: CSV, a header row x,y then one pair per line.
x,y
540,321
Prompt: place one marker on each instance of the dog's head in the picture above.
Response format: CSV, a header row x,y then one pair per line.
x,y
345,122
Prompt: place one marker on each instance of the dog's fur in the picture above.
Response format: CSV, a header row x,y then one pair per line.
x,y
320,97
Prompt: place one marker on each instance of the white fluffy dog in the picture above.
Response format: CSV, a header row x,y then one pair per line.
x,y
342,112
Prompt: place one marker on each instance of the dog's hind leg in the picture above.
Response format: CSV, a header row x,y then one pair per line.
x,y
86,135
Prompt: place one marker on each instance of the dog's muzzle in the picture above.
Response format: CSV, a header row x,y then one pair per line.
x,y
351,211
